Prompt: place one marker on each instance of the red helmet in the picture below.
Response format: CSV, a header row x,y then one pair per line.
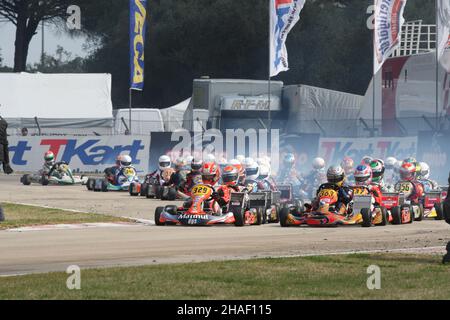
x,y
230,176
348,165
210,173
363,175
408,171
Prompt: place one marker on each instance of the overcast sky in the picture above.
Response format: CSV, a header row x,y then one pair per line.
x,y
53,38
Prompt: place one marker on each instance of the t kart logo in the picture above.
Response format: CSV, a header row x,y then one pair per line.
x,y
89,152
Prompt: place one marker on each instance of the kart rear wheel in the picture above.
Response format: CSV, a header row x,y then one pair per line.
x,y
144,188
367,217
411,212
26,180
159,191
384,217
104,186
439,211
396,215
238,214
90,184
259,216
421,213
158,212
284,213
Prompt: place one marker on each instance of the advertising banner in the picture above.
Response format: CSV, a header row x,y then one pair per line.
x,y
304,147
138,25
443,22
84,154
388,26
333,150
284,14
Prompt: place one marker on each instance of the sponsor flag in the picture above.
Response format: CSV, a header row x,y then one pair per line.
x,y
284,14
443,27
138,15
388,26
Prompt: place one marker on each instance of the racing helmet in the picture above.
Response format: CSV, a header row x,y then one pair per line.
x,y
378,170
410,160
240,158
164,162
348,165
210,173
49,158
390,163
196,164
366,160
230,176
248,162
240,168
264,171
397,166
363,175
289,158
336,175
424,170
252,171
180,164
408,172
210,158
125,161
318,164
118,159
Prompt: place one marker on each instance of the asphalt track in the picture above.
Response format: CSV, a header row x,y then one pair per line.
x,y
130,245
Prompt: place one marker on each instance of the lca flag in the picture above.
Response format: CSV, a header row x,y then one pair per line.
x,y
443,23
138,26
284,14
388,26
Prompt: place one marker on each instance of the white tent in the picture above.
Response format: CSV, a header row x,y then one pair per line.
x,y
62,103
173,116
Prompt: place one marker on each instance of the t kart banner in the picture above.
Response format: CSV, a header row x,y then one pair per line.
x,y
304,147
83,154
333,150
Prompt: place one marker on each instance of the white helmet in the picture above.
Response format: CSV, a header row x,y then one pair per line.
x,y
210,158
264,171
248,162
196,164
390,163
318,163
425,170
252,171
189,159
164,163
397,166
125,161
234,162
241,158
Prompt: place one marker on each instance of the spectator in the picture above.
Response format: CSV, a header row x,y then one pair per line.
x,y
4,147
24,132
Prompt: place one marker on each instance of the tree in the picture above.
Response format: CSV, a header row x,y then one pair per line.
x,y
26,16
61,62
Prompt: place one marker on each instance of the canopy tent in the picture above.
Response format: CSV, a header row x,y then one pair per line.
x,y
173,116
67,103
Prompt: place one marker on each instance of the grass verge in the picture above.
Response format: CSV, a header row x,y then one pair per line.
x,y
25,216
328,277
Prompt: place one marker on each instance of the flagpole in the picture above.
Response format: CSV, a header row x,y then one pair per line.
x,y
437,65
129,109
270,62
374,72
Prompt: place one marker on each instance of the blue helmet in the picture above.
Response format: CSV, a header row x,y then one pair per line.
x,y
289,158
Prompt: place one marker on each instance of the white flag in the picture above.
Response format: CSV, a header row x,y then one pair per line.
x,y
284,14
443,24
388,26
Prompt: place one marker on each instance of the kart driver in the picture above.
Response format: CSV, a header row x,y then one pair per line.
x,y
111,172
349,167
195,176
424,178
230,180
49,162
265,180
164,163
125,163
316,178
177,179
336,179
289,174
240,168
390,174
408,182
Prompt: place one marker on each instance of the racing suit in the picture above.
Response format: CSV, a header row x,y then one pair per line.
x,y
193,178
111,173
267,185
4,147
429,185
177,181
312,182
345,196
417,191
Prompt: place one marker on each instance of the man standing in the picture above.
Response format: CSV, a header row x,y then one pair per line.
x,y
4,150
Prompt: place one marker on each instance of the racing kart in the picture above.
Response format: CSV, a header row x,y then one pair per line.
x,y
433,207
267,202
199,211
417,209
122,182
399,211
59,174
151,189
360,212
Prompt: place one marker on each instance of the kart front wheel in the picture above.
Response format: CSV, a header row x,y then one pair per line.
x,y
439,211
284,213
26,180
144,188
45,181
238,217
421,213
384,217
133,190
367,217
104,186
158,212
90,184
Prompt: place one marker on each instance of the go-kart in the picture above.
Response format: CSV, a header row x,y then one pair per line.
x,y
433,205
122,182
359,212
152,189
59,174
199,210
267,202
407,188
287,201
399,212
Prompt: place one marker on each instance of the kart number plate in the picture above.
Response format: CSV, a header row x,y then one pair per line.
x,y
328,193
200,190
128,172
360,191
